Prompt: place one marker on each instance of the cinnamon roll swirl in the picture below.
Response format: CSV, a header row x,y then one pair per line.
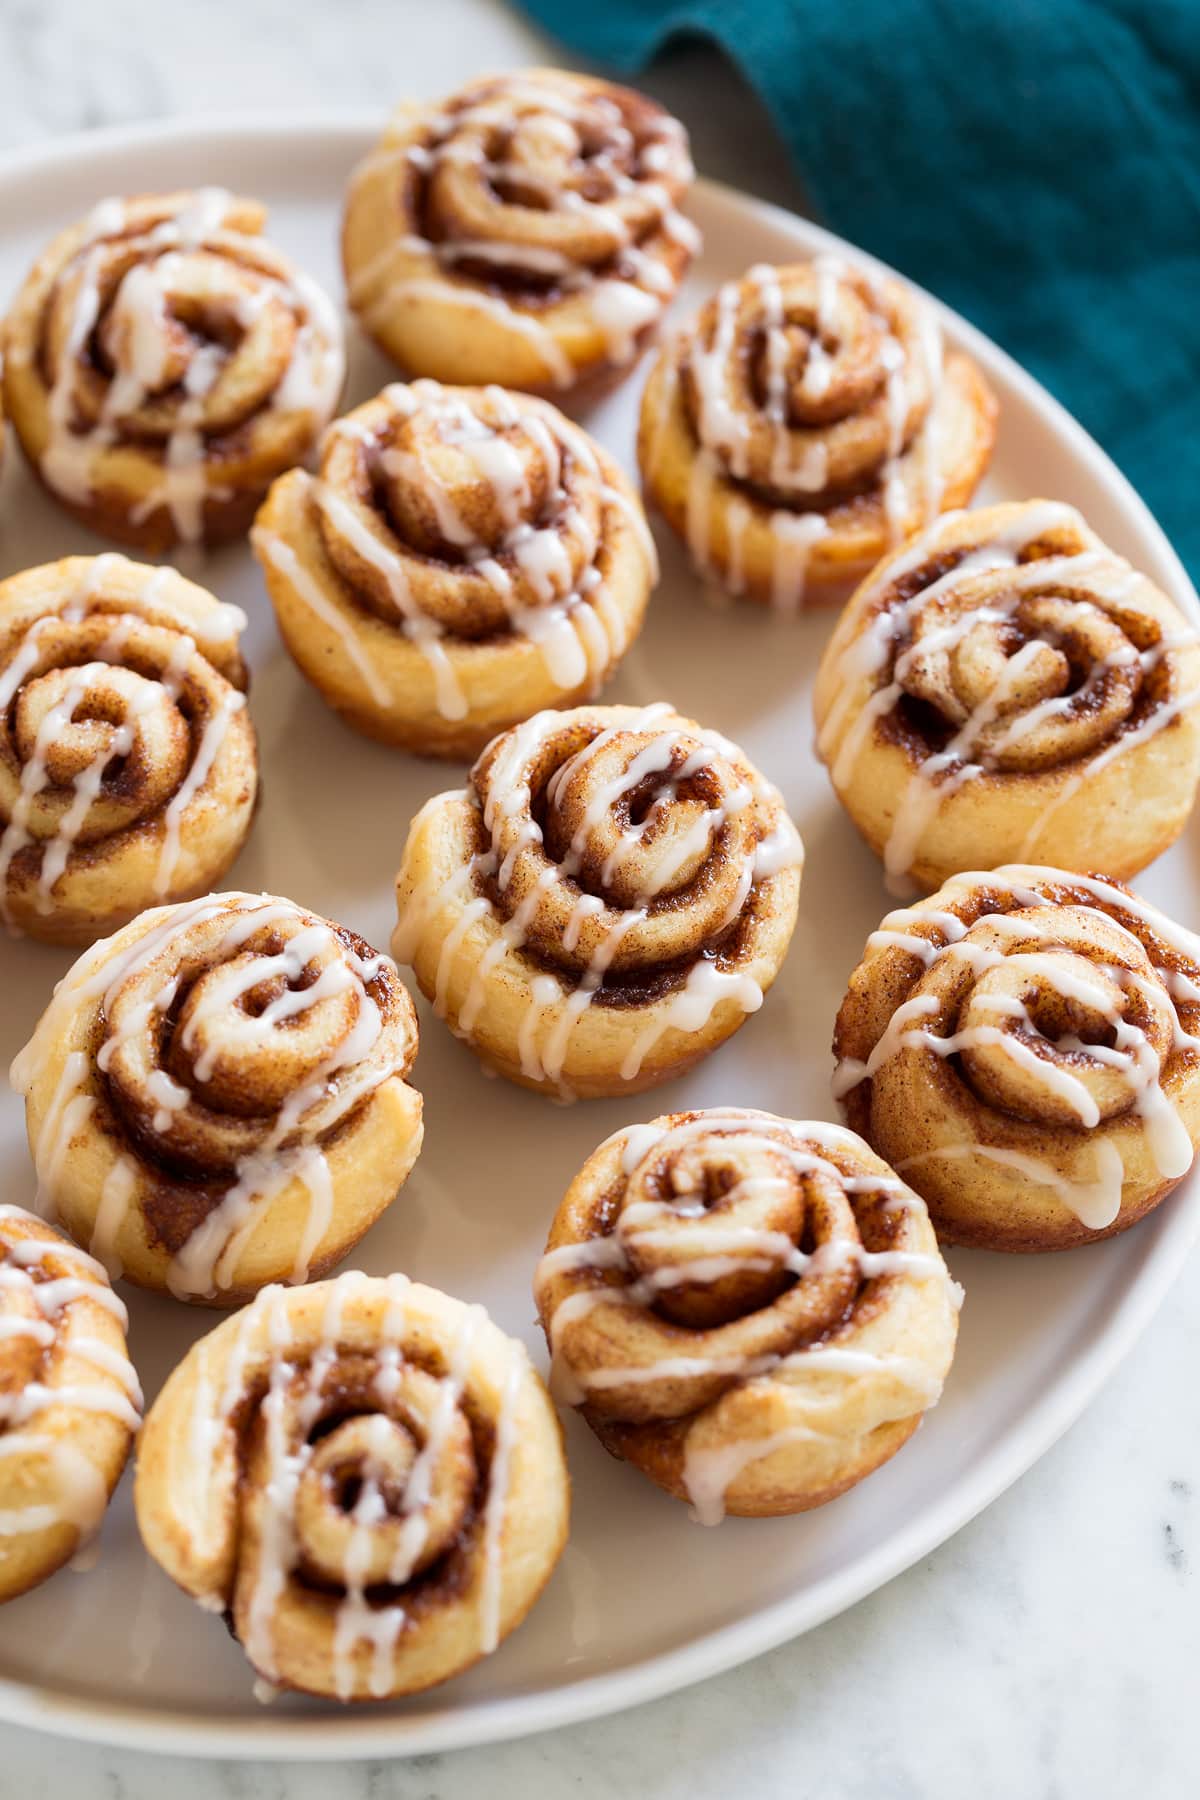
x,y
128,763
526,230
751,1310
464,557
163,363
1024,1047
604,903
69,1399
1005,686
803,422
365,1476
216,1096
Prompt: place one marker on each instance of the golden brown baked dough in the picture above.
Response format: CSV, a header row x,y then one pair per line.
x,y
804,421
163,363
1023,1046
69,1399
1005,687
751,1310
525,230
365,1476
215,1097
464,557
128,764
604,903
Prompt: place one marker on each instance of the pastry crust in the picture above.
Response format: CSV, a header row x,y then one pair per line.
x,y
128,763
464,557
163,363
525,231
604,903
69,1399
751,1310
1022,1048
365,1476
1005,688
805,420
216,1096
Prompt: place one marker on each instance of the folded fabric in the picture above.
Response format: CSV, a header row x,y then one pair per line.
x,y
1036,164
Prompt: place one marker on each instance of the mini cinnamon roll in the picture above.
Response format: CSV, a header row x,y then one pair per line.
x,y
1005,686
163,363
216,1096
365,1476
750,1310
128,763
604,903
803,422
526,230
465,557
69,1399
1024,1047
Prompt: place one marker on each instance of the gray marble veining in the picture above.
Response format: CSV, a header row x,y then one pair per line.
x,y
1048,1651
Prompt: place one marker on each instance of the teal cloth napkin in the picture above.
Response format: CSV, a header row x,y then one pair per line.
x,y
1035,163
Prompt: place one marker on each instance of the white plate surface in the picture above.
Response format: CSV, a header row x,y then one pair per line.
x,y
644,1601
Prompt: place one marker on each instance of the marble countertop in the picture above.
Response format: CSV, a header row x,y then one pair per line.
x,y
1050,1649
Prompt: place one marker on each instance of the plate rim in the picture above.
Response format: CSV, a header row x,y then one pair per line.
x,y
364,1734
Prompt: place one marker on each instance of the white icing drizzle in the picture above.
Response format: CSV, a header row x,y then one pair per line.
x,y
1095,1201
274,550
622,291
1121,745
116,1197
872,655
736,1250
797,468
207,751
360,1616
312,381
277,1537
709,1471
499,1475
549,1022
340,1082
690,1009
358,1620
575,625
559,368
89,597
79,1487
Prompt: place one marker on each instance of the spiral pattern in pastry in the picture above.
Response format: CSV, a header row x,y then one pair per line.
x,y
365,1476
128,764
1024,1047
464,557
751,1310
604,903
804,421
69,1399
163,363
1006,686
215,1097
525,230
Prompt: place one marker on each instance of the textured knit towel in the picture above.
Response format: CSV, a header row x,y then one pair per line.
x,y
1035,163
